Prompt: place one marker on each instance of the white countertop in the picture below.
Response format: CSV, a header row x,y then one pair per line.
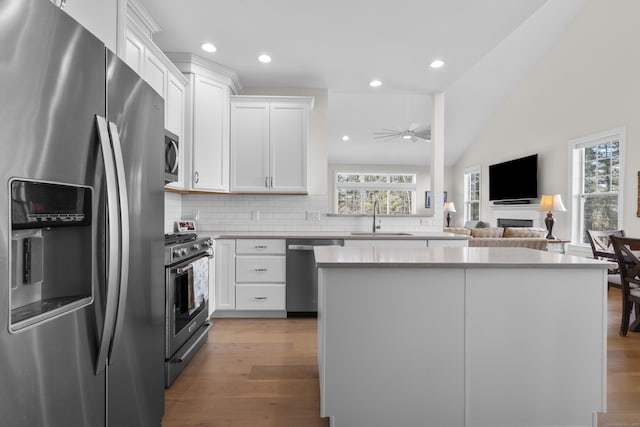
x,y
400,257
379,235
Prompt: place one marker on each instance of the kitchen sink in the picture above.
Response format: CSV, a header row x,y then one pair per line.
x,y
369,233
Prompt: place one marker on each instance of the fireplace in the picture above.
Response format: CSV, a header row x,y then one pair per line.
x,y
513,222
517,216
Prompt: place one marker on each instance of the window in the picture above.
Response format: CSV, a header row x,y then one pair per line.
x,y
472,194
596,195
356,192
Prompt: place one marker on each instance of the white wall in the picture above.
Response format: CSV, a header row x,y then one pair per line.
x,y
588,82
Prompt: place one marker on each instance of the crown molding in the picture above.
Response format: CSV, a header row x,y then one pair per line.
x,y
141,17
190,63
275,98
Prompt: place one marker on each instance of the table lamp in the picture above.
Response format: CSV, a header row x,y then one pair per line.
x,y
448,208
549,203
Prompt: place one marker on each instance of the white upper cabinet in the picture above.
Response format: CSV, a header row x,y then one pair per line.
x,y
210,135
269,142
250,146
206,162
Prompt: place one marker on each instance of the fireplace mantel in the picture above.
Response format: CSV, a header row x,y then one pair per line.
x,y
529,211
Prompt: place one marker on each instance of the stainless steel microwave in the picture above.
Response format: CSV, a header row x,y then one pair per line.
x,y
171,157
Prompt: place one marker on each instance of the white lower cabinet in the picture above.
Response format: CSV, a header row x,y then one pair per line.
x,y
260,296
447,243
404,243
250,277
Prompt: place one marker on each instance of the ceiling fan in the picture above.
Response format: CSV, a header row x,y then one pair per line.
x,y
413,133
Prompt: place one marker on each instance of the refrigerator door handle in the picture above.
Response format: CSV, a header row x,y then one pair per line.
x,y
113,260
124,234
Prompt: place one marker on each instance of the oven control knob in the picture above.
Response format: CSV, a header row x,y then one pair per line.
x,y
208,243
183,251
195,247
176,253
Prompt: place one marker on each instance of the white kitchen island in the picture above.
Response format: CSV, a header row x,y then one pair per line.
x,y
482,337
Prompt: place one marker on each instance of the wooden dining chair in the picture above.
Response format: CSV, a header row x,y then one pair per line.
x,y
600,241
601,247
629,266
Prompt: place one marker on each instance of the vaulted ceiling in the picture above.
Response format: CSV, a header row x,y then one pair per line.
x,y
341,45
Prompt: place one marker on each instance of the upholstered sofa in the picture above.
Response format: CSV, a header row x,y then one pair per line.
x,y
526,237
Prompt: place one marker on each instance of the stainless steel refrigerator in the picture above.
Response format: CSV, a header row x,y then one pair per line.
x,y
81,228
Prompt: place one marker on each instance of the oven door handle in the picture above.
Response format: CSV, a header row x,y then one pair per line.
x,y
113,261
180,270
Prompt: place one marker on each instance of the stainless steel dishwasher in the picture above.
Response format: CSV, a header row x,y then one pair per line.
x,y
302,275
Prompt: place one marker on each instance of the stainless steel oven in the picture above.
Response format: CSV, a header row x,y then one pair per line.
x,y
187,299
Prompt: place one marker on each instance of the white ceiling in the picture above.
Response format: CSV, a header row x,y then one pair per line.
x,y
341,45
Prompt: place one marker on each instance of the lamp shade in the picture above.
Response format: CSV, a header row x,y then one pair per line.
x,y
449,207
551,202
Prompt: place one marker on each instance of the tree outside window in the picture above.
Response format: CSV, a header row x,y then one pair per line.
x,y
356,193
472,194
597,193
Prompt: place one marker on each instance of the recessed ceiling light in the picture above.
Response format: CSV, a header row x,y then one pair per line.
x,y
375,83
345,138
208,47
265,59
437,63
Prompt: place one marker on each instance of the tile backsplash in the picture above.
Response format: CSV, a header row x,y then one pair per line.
x,y
227,212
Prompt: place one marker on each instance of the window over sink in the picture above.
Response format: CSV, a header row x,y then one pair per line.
x,y
356,192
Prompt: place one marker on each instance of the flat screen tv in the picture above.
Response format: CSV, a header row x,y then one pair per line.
x,y
514,180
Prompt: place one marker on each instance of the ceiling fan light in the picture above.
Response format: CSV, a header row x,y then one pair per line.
x,y
406,136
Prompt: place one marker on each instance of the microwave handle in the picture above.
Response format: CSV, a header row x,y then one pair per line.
x,y
174,148
113,261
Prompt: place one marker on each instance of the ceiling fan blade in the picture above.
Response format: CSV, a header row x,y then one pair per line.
x,y
386,138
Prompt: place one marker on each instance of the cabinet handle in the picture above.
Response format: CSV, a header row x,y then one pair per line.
x,y
259,297
261,269
196,177
271,182
261,246
266,182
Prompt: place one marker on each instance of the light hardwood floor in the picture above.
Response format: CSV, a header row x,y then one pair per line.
x,y
263,373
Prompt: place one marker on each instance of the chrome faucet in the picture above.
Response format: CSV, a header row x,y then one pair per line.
x,y
374,226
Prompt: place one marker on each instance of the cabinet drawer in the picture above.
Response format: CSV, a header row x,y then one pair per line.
x,y
260,297
260,269
260,246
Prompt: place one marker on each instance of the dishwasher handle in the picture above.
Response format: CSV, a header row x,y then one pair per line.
x,y
300,247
